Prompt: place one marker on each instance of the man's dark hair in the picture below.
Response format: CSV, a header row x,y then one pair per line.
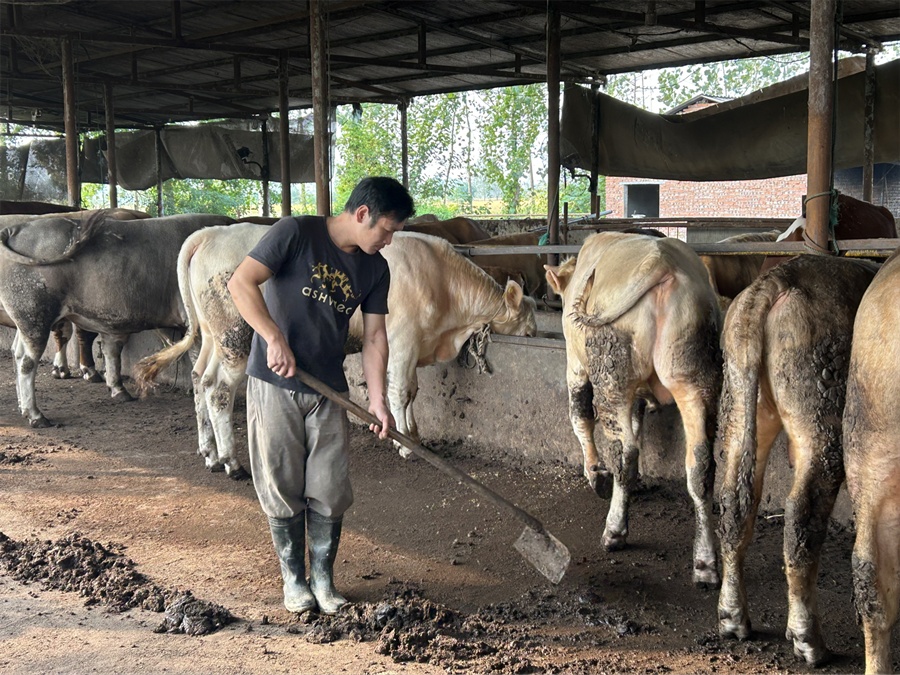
x,y
384,196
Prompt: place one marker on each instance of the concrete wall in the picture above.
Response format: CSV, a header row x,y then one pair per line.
x,y
520,410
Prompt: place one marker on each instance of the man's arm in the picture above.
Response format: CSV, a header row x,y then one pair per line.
x,y
374,364
248,298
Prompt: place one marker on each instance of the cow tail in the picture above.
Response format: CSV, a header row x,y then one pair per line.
x,y
622,296
148,369
82,233
743,344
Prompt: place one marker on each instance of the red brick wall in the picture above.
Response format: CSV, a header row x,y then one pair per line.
x,y
769,198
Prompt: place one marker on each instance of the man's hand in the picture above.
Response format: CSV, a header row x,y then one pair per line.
x,y
280,358
381,411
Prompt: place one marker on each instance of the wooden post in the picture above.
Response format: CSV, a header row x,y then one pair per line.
x,y
821,107
108,106
284,135
553,160
265,165
404,143
868,173
321,127
595,149
159,180
73,185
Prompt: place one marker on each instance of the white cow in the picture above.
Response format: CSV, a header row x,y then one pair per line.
x,y
437,300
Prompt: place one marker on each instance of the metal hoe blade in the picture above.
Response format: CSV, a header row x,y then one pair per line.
x,y
547,554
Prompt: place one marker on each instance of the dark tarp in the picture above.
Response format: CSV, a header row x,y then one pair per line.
x,y
762,139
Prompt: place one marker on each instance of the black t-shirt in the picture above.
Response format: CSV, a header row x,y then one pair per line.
x,y
314,290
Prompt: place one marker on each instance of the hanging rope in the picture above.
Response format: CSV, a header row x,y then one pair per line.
x,y
473,351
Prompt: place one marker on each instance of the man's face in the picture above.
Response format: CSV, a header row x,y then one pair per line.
x,y
376,235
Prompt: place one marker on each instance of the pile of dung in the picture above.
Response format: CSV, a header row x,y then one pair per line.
x,y
103,575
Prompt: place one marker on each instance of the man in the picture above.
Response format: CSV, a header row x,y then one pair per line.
x,y
316,272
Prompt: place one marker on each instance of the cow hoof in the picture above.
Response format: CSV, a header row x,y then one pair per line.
x,y
615,542
40,423
91,376
813,652
239,473
122,397
731,628
213,465
601,482
59,373
406,453
706,576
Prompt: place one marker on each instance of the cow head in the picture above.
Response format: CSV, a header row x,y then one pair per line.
x,y
558,276
517,315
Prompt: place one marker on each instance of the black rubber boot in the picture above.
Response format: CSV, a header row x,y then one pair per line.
x,y
289,538
324,535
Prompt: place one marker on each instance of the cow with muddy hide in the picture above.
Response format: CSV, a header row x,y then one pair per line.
x,y
641,322
731,274
63,330
104,275
872,462
437,300
526,266
786,345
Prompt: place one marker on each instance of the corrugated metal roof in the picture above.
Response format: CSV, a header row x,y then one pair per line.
x,y
178,60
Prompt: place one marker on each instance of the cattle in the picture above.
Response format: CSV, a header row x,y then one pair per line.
x,y
424,218
856,219
872,461
786,346
106,276
641,321
457,230
528,266
437,300
730,274
63,330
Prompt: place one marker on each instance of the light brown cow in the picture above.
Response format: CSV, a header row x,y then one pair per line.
x,y
730,274
872,461
528,266
457,230
437,300
641,322
786,347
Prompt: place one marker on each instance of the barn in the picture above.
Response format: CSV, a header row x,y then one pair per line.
x,y
436,584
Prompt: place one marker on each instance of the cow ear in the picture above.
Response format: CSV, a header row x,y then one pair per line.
x,y
557,283
513,294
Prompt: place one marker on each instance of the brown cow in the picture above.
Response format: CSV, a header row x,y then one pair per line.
x,y
457,230
786,346
872,461
528,266
641,322
856,219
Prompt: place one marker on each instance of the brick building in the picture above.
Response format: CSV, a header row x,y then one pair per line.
x,y
780,197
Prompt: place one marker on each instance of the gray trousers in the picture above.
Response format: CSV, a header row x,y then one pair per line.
x,y
299,451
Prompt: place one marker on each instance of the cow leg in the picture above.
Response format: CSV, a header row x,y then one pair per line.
x,y
27,350
581,415
112,354
818,475
739,496
402,386
62,331
220,384
876,561
86,355
698,419
206,446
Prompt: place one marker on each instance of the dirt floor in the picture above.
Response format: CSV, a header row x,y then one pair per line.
x,y
114,504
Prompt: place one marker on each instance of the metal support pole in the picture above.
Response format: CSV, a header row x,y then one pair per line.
x,y
265,166
73,186
595,149
404,143
321,137
553,160
868,174
108,106
821,107
284,135
159,180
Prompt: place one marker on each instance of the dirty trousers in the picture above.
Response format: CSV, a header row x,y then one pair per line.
x,y
299,451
